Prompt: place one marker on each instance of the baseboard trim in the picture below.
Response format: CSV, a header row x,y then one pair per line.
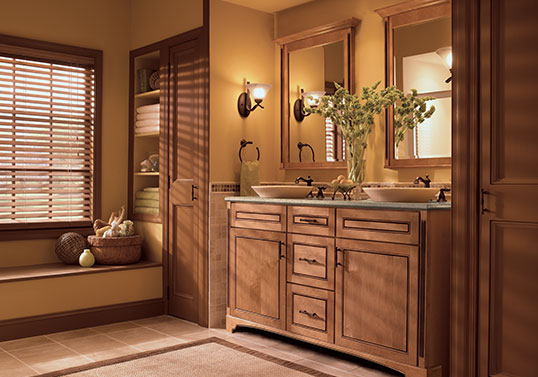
x,y
102,315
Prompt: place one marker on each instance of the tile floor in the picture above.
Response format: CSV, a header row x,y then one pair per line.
x,y
41,354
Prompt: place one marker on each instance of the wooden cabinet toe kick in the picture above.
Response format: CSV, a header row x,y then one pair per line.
x,y
232,323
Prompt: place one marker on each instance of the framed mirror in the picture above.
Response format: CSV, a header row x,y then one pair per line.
x,y
311,62
419,56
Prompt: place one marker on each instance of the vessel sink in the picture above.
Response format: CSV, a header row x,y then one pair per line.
x,y
283,191
401,194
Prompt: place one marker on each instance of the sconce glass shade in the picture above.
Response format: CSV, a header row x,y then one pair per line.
x,y
445,53
313,98
258,91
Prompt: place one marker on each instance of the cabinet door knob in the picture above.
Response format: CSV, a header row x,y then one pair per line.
x,y
193,193
282,255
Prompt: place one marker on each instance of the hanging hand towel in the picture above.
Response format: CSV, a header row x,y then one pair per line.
x,y
249,177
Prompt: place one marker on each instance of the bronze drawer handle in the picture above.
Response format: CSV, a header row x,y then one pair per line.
x,y
308,260
311,315
310,221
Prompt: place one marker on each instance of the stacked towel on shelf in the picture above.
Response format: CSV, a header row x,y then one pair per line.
x,y
147,201
147,119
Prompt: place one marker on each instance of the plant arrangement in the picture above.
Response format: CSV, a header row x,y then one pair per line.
x,y
355,116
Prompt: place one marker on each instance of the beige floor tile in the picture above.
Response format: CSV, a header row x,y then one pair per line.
x,y
156,319
99,347
49,357
325,368
280,354
369,372
144,339
259,338
197,335
73,334
342,363
11,367
25,342
295,349
173,327
118,326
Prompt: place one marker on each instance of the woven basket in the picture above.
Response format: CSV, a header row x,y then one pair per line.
x,y
69,246
116,250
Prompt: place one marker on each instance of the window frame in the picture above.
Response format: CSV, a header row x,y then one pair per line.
x,y
60,53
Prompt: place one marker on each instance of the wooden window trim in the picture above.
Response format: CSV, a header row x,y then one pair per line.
x,y
59,53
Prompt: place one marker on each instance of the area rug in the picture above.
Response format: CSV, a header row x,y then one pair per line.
x,y
211,357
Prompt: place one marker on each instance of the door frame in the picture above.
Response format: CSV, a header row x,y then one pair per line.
x,y
465,187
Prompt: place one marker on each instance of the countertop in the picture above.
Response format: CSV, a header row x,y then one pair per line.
x,y
327,202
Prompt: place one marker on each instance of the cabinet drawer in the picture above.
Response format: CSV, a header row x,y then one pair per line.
x,y
311,220
258,216
311,312
311,261
378,225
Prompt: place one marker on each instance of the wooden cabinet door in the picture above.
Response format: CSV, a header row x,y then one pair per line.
x,y
376,299
508,252
257,276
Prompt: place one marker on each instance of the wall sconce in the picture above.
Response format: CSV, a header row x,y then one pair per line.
x,y
312,99
258,93
445,53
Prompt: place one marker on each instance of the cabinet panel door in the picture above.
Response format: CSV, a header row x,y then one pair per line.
x,y
377,299
257,280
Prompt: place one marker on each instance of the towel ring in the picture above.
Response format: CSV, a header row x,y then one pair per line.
x,y
243,144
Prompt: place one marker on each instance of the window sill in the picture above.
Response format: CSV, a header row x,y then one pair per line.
x,y
40,234
52,270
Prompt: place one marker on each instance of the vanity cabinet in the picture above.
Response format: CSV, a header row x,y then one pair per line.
x,y
369,282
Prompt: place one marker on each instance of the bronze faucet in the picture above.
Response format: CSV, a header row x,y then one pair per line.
x,y
426,180
308,180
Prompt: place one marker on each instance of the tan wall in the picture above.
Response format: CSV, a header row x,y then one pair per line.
x,y
241,48
155,20
42,296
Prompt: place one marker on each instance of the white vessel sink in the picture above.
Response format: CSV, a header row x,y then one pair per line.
x,y
283,191
401,194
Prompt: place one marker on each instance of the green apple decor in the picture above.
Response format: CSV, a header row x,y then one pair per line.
x,y
86,259
356,118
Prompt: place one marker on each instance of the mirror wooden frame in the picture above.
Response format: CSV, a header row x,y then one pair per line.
x,y
398,15
334,32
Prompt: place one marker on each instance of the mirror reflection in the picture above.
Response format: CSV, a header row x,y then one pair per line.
x,y
422,60
316,69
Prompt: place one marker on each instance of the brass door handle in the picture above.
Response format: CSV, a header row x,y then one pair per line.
x,y
281,256
193,193
336,257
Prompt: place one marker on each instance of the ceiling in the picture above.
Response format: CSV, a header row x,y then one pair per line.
x,y
269,6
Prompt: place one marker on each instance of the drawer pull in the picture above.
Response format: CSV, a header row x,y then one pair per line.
x,y
309,221
282,255
311,315
308,260
337,249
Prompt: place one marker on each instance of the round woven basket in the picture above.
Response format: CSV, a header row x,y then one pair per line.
x,y
116,250
69,246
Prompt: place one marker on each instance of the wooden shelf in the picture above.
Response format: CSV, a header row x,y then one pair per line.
x,y
147,173
148,134
45,271
152,94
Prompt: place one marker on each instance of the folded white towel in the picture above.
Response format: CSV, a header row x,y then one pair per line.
x,y
146,130
147,122
148,108
145,116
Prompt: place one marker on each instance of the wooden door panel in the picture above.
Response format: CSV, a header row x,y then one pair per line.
x,y
257,276
508,258
514,291
186,247
377,299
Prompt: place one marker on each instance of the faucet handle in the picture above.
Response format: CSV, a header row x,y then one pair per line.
x,y
441,198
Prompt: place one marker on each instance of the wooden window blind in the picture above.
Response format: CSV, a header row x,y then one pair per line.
x,y
48,126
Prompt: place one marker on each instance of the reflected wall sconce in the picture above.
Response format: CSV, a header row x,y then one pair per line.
x,y
445,53
258,92
312,98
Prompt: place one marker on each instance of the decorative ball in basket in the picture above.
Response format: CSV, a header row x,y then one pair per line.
x,y
69,246
115,242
